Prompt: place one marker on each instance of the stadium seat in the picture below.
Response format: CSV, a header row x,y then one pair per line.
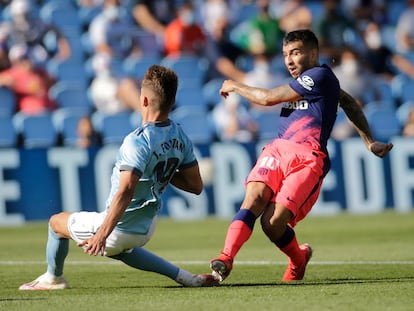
x,y
402,88
62,14
403,111
407,91
66,124
112,127
136,67
8,102
268,123
69,71
384,123
191,70
379,105
211,92
8,134
195,123
37,131
190,96
148,43
71,96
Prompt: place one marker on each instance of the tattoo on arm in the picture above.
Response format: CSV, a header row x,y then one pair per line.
x,y
355,114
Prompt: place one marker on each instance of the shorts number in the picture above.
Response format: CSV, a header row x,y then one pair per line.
x,y
269,163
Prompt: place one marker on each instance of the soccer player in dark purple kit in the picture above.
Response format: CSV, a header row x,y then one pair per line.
x,y
285,182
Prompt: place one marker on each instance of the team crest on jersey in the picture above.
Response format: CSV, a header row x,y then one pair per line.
x,y
306,82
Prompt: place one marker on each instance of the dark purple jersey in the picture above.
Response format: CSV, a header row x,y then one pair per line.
x,y
309,121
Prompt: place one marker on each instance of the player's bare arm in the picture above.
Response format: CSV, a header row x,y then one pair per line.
x,y
355,114
189,180
260,96
121,200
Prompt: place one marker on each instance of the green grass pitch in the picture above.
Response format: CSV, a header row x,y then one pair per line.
x,y
360,262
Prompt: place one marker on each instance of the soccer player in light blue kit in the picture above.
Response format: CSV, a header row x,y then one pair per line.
x,y
155,154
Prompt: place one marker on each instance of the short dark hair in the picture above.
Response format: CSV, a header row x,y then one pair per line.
x,y
164,82
306,36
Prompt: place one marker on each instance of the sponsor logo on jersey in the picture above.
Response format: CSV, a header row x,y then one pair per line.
x,y
297,105
306,82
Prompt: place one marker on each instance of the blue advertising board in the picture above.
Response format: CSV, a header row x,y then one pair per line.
x,y
37,183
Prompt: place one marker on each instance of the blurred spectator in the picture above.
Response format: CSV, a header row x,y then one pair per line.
x,y
354,77
343,128
31,84
213,12
111,33
112,94
332,29
404,31
26,29
87,136
365,11
184,35
261,34
404,65
294,14
408,128
233,122
377,55
4,57
154,15
220,50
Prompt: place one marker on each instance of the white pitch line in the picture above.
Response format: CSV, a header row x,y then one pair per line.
x,y
199,262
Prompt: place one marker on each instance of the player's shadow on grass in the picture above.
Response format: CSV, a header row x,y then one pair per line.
x,y
323,282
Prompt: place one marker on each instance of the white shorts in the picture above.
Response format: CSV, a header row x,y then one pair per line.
x,y
83,225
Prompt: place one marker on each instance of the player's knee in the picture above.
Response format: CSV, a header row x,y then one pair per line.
x,y
58,223
53,222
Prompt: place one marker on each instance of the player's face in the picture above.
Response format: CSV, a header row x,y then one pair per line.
x,y
297,58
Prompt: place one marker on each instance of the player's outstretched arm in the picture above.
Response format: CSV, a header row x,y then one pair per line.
x,y
260,96
355,114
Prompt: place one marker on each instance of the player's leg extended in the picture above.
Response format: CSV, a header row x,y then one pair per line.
x,y
140,258
57,249
274,222
241,227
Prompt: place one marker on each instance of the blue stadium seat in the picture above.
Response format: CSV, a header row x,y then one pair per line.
x,y
148,43
8,102
37,131
384,123
136,67
404,111
407,91
62,14
71,96
8,134
268,122
190,96
403,88
112,127
211,91
69,71
191,70
195,123
66,124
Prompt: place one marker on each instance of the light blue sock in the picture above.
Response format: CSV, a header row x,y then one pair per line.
x,y
57,249
142,259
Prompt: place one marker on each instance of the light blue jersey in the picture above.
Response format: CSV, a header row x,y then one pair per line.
x,y
154,151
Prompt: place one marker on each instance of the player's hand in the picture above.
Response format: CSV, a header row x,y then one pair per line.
x,y
226,88
93,246
380,149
